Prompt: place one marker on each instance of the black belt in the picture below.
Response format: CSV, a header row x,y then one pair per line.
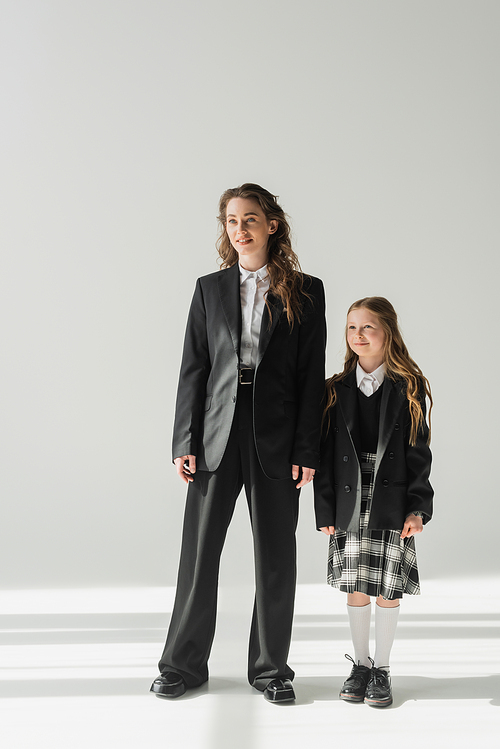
x,y
245,376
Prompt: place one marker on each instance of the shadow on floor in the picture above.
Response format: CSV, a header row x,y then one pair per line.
x,y
308,690
409,689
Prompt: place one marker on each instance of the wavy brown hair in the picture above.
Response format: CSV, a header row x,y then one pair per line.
x,y
285,279
398,363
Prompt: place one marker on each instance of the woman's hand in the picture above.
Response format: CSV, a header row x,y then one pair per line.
x,y
186,471
328,529
307,475
413,524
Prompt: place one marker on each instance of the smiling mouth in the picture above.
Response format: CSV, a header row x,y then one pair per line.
x,y
243,241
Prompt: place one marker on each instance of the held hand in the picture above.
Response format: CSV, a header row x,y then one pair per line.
x,y
413,524
307,475
328,529
186,467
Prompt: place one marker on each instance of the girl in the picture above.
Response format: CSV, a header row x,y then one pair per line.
x,y
248,413
373,494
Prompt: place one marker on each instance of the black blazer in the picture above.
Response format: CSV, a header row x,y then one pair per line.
x,y
401,480
288,385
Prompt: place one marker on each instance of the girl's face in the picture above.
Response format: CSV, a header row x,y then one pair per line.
x,y
366,337
248,230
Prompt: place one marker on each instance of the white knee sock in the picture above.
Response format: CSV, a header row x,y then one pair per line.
x,y
359,622
386,621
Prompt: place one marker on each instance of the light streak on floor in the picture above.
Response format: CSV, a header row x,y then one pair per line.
x,y
76,668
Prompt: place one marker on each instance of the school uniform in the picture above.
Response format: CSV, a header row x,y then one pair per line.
x,y
369,481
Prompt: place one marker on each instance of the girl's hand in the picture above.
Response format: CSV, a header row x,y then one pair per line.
x,y
329,530
413,524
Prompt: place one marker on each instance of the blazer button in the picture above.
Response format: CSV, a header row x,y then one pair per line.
x,y
391,455
347,488
336,429
396,426
234,399
346,458
385,482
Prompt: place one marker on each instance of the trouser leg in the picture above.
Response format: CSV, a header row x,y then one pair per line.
x,y
273,506
209,509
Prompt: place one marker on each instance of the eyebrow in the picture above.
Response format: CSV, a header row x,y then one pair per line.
x,y
250,213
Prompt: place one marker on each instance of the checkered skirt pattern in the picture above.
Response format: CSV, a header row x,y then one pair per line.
x,y
373,562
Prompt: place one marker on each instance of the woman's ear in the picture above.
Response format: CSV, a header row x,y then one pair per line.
x,y
273,226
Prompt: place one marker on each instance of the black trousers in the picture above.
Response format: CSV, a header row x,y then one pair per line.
x,y
273,507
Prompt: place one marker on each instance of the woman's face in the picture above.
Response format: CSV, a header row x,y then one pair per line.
x,y
249,230
366,337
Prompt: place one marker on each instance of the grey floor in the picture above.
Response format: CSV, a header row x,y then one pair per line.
x,y
77,665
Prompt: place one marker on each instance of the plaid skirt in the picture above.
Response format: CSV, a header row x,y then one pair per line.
x,y
373,562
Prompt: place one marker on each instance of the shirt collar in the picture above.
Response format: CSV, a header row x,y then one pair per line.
x,y
378,374
261,274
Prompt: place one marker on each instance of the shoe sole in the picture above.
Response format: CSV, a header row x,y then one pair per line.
x,y
379,703
178,691
351,697
286,697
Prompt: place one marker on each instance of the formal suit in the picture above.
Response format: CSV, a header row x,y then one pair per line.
x,y
244,435
401,479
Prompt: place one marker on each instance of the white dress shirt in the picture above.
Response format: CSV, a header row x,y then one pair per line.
x,y
369,383
253,286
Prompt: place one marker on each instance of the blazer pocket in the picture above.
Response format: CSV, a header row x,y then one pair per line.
x,y
208,402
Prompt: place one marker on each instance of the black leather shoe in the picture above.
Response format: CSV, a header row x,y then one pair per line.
x,y
279,690
378,690
168,684
354,687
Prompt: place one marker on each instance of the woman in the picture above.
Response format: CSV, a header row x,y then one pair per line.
x,y
248,413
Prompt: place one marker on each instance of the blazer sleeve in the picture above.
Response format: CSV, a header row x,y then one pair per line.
x,y
195,369
418,467
310,378
324,487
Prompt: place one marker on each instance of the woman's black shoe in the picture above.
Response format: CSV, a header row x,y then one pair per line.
x,y
168,684
279,690
378,690
354,687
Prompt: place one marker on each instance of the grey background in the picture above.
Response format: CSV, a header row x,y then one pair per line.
x,y
122,122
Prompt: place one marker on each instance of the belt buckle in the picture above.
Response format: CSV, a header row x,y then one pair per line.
x,y
240,372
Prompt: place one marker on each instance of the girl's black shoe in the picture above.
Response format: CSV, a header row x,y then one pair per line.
x,y
378,690
354,687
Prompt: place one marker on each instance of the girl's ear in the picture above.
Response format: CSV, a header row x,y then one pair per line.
x,y
273,226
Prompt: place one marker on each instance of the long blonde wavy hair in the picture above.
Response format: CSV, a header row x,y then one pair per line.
x,y
397,360
285,279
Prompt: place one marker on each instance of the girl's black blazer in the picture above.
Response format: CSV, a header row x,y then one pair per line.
x,y
401,480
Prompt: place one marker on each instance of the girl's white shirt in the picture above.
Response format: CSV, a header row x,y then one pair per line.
x,y
369,383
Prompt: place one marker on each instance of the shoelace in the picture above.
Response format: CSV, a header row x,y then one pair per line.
x,y
357,668
378,674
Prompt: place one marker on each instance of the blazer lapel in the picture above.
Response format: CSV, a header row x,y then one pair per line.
x,y
389,409
229,294
266,329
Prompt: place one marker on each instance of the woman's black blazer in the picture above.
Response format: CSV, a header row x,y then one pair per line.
x,y
401,480
288,384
